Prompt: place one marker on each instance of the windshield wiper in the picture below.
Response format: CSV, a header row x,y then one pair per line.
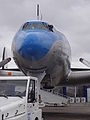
x,y
19,96
3,95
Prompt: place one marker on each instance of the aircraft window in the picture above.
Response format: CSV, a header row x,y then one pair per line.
x,y
44,26
26,26
34,26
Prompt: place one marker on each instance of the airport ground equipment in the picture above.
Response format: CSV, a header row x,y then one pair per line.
x,y
19,98
53,99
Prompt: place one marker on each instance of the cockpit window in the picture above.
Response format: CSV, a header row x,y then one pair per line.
x,y
43,26
34,26
26,26
37,25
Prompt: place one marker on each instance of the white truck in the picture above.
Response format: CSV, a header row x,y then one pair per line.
x,y
19,98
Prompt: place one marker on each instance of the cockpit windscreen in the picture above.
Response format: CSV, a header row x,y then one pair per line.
x,y
26,26
35,25
43,26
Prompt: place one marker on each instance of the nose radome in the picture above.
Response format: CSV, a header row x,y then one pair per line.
x,y
35,47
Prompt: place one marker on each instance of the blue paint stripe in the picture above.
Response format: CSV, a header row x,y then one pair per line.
x,y
85,93
64,92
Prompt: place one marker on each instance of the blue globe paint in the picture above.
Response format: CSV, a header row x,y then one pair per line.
x,y
36,45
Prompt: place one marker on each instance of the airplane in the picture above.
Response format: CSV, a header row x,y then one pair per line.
x,y
40,50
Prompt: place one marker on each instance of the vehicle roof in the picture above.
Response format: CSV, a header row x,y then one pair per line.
x,y
17,77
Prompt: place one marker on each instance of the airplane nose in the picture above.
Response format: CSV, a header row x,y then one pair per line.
x,y
35,47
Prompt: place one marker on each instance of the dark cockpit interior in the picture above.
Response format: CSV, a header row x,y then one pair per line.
x,y
37,25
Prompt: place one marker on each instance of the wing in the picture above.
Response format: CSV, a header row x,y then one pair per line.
x,y
79,77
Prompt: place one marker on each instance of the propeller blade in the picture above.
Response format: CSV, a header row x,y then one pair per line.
x,y
4,62
85,62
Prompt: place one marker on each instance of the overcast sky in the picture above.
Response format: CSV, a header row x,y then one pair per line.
x,y
72,17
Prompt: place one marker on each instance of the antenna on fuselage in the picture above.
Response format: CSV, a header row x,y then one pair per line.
x,y
39,14
37,11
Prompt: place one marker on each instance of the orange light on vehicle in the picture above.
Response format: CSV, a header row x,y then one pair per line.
x,y
9,73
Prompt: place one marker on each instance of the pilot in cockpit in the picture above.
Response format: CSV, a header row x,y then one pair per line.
x,y
51,28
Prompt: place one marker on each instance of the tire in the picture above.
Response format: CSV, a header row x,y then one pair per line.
x,y
36,118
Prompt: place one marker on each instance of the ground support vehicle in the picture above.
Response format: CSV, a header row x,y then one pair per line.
x,y
19,98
